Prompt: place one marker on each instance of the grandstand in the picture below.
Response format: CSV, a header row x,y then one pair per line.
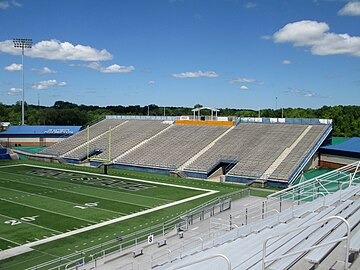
x,y
173,147
312,225
250,149
320,229
81,138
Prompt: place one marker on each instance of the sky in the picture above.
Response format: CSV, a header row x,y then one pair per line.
x,y
218,53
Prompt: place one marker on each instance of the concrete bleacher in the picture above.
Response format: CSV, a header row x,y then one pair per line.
x,y
248,144
123,137
268,151
255,147
275,139
133,133
81,138
292,232
287,167
174,146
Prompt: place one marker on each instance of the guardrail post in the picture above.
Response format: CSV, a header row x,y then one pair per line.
x,y
246,215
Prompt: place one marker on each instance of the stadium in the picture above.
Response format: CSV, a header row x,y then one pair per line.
x,y
109,160
154,192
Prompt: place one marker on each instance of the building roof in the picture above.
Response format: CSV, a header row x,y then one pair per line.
x,y
350,147
205,108
41,130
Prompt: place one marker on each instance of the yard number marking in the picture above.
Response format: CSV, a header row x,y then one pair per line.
x,y
86,205
14,222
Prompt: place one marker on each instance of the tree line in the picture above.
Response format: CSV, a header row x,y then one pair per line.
x,y
346,119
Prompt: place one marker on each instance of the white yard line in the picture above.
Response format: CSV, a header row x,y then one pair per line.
x,y
33,224
51,198
13,165
10,241
78,193
49,211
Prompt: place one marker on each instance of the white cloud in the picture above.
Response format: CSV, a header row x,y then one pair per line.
x,y
62,84
56,50
241,80
4,5
43,71
250,5
7,4
244,87
266,37
305,93
115,68
350,9
44,85
286,62
196,74
16,3
14,91
14,67
315,35
151,82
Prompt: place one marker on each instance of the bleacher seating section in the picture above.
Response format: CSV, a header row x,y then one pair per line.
x,y
174,147
123,137
286,168
243,246
4,154
255,148
81,138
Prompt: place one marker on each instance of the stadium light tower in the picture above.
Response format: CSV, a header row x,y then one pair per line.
x,y
22,43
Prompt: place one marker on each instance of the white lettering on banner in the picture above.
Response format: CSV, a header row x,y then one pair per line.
x,y
58,131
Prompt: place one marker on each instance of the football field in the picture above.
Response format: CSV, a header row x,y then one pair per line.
x,y
41,204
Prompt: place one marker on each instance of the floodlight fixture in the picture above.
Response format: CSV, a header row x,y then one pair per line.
x,y
23,43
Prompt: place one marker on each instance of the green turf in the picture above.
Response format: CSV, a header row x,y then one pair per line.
x,y
30,149
52,200
337,140
312,173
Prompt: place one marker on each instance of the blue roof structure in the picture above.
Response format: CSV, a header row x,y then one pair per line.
x,y
351,148
41,130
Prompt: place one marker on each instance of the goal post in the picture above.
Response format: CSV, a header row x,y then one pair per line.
x,y
105,160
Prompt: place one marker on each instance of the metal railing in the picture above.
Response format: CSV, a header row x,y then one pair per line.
x,y
327,183
347,244
142,117
228,264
